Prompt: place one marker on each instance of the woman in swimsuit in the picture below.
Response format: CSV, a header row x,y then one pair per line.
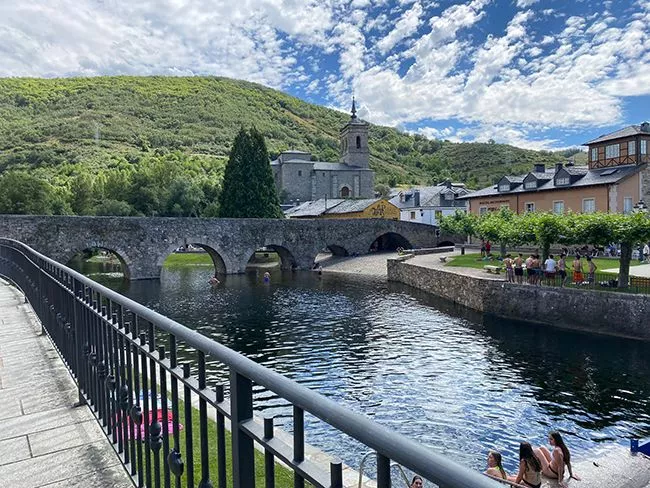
x,y
495,468
530,468
553,463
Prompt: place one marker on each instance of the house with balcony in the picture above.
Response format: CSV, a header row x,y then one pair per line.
x,y
615,180
427,204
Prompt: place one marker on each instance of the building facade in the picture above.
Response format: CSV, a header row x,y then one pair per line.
x,y
299,179
615,180
426,205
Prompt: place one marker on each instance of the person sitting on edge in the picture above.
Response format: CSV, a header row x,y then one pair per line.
x,y
417,482
495,468
591,277
578,277
519,268
510,272
530,468
561,269
553,463
549,269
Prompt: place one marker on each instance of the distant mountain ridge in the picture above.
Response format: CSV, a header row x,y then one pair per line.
x,y
62,126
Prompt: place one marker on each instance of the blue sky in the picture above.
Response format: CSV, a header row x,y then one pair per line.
x,y
543,74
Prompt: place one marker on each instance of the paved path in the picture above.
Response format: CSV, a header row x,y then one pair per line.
x,y
44,441
641,270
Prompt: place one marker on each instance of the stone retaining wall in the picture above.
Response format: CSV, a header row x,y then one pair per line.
x,y
620,314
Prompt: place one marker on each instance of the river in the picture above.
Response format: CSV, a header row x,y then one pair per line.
x,y
445,376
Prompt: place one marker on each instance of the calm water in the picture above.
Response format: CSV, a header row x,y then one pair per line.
x,y
444,376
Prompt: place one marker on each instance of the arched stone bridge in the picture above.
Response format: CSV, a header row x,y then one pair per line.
x,y
143,243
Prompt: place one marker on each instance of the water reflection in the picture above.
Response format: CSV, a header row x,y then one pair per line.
x,y
436,372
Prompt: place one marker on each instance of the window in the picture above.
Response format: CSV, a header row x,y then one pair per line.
x,y
631,148
438,215
643,145
299,172
412,215
358,142
449,196
504,187
558,206
612,151
530,206
594,154
627,205
588,205
345,192
482,210
530,185
562,181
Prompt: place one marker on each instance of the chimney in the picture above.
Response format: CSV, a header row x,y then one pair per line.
x,y
645,127
416,198
539,168
558,167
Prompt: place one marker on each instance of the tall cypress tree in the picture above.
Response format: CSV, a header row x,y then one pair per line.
x,y
248,186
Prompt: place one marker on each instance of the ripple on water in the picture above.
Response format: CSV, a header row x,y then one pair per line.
x,y
453,380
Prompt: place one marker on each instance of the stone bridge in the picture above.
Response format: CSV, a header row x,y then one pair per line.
x,y
143,243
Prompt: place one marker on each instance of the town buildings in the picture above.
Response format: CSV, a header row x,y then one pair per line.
x,y
616,178
340,208
299,179
427,204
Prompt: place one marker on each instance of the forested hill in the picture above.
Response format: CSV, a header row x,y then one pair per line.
x,y
60,129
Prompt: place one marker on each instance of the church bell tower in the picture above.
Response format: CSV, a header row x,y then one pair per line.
x,y
354,141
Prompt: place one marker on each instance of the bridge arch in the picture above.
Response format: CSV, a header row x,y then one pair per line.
x,y
287,256
446,244
337,250
126,264
220,260
389,241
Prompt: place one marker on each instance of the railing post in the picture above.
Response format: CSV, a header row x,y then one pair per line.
x,y
241,409
383,471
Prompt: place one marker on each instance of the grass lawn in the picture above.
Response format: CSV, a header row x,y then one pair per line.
x,y
188,259
475,261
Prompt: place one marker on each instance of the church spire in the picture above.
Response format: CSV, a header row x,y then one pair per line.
x,y
354,109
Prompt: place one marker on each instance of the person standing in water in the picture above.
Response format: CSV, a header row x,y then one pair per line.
x,y
553,463
267,277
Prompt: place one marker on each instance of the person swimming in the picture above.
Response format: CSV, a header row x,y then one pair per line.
x,y
495,467
553,463
416,482
214,281
267,277
530,468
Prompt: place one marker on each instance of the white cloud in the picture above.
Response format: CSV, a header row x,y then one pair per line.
x,y
526,3
405,27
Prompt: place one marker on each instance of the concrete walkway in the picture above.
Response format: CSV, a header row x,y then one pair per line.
x,y
44,441
641,270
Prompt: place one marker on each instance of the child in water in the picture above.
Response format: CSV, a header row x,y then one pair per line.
x,y
267,277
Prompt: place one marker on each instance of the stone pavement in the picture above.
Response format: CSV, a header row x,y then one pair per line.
x,y
44,441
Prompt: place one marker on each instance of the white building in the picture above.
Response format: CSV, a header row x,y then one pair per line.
x,y
427,204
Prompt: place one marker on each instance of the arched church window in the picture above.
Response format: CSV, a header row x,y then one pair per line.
x,y
358,142
345,192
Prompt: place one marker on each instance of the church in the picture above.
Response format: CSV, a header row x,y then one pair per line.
x,y
299,179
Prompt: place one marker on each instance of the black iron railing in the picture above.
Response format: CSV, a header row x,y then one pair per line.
x,y
124,359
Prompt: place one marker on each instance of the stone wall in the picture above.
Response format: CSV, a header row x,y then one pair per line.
x,y
620,314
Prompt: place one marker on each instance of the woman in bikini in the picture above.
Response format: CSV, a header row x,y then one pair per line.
x,y
553,463
530,468
495,468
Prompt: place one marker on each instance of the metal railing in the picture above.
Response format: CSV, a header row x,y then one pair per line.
x,y
124,357
599,281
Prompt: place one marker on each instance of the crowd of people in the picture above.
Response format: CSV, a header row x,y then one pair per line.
x,y
533,464
538,272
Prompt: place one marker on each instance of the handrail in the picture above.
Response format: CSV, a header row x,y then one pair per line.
x,y
388,444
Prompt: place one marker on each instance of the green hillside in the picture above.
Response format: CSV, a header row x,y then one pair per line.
x,y
157,145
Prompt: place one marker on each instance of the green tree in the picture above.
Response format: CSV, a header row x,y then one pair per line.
x,y
82,195
501,227
382,190
544,229
460,223
22,193
248,187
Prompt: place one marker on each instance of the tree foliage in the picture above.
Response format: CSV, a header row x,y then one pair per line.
x,y
248,187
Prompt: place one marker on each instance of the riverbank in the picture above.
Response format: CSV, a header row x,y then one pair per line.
x,y
619,314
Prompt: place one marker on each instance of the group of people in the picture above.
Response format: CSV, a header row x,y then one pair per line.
x,y
533,463
538,272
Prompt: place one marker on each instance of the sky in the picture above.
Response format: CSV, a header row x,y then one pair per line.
x,y
540,74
